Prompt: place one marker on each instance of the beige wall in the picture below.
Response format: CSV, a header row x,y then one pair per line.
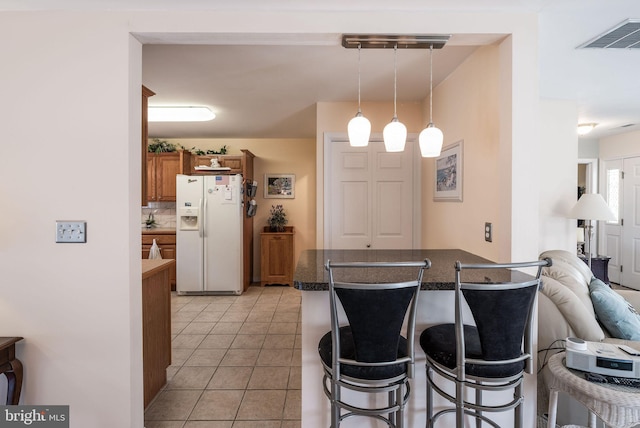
x,y
620,146
279,156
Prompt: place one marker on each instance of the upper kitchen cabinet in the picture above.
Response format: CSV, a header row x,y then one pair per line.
x,y
146,93
162,169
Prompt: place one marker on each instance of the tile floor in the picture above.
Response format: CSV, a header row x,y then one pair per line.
x,y
236,362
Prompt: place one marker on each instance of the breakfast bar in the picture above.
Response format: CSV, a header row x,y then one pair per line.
x,y
436,303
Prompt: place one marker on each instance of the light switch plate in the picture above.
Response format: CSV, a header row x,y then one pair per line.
x,y
73,231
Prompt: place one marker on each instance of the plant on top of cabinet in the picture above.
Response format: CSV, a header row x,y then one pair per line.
x,y
199,152
277,218
161,146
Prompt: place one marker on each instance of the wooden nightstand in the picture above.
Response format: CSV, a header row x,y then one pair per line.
x,y
599,267
276,257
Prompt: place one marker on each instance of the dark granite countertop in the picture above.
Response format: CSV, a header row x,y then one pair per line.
x,y
311,275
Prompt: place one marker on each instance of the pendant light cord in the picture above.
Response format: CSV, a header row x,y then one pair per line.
x,y
395,77
431,84
359,46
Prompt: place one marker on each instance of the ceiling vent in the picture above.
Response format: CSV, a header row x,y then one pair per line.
x,y
625,35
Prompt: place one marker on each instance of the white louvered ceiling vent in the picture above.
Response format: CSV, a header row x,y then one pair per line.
x,y
625,35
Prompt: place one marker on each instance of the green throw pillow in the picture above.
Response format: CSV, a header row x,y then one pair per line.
x,y
614,312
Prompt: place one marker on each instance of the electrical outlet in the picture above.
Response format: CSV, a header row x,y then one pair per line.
x,y
488,232
71,231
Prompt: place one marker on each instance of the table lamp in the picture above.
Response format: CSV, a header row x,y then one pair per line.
x,y
590,207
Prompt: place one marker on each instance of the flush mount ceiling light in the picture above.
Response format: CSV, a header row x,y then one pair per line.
x,y
585,128
359,127
180,114
430,138
395,133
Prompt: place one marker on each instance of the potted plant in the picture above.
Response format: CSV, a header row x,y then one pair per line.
x,y
277,218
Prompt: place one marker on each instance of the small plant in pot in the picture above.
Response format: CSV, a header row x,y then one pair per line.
x,y
277,218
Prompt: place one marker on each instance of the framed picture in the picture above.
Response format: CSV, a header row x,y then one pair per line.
x,y
448,179
279,186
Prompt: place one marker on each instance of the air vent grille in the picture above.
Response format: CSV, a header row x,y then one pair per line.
x,y
625,35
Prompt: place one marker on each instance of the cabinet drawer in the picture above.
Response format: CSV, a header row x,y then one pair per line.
x,y
147,239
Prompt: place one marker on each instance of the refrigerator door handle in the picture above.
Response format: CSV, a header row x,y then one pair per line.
x,y
201,225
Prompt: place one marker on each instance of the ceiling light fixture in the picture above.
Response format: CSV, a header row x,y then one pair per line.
x,y
395,133
359,128
431,138
585,128
180,114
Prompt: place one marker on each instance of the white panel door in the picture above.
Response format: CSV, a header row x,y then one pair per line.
x,y
613,229
630,275
370,197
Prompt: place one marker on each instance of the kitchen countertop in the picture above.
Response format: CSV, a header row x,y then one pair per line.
x,y
159,231
152,266
310,274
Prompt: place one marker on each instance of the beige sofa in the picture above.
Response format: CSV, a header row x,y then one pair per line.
x,y
565,310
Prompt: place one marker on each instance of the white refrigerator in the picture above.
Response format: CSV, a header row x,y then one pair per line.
x,y
209,221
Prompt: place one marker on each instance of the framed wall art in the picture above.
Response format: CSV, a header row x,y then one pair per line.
x,y
448,176
279,186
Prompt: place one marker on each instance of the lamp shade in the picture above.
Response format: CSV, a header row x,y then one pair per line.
x,y
394,135
430,140
592,206
359,129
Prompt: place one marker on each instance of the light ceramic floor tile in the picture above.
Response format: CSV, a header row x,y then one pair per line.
x,y
269,378
262,405
275,357
240,357
198,328
230,378
282,328
226,328
205,357
217,341
217,405
257,383
173,405
293,404
248,341
191,378
282,341
189,341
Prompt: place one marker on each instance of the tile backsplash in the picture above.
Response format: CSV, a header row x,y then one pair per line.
x,y
163,212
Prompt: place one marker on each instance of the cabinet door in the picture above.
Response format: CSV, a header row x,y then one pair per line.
x,y
167,167
151,178
276,258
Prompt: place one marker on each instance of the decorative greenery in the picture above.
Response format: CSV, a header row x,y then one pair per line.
x,y
277,218
150,222
161,146
200,152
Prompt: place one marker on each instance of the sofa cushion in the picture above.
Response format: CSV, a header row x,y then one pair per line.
x,y
580,317
616,314
572,273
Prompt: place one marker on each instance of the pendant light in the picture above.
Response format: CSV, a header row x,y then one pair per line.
x,y
359,127
430,139
395,133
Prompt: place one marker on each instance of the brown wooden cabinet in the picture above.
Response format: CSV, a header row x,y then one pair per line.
x,y
146,93
166,240
276,257
162,169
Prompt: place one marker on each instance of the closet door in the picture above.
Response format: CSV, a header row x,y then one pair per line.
x,y
370,197
630,275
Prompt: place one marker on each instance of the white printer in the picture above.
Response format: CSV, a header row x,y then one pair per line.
x,y
603,358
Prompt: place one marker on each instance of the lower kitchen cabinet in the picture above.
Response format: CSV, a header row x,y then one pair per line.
x,y
166,240
276,257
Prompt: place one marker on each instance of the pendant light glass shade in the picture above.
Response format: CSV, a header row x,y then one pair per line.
x,y
359,128
431,138
395,133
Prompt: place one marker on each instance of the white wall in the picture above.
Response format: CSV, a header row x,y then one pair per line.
x,y
620,146
70,106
